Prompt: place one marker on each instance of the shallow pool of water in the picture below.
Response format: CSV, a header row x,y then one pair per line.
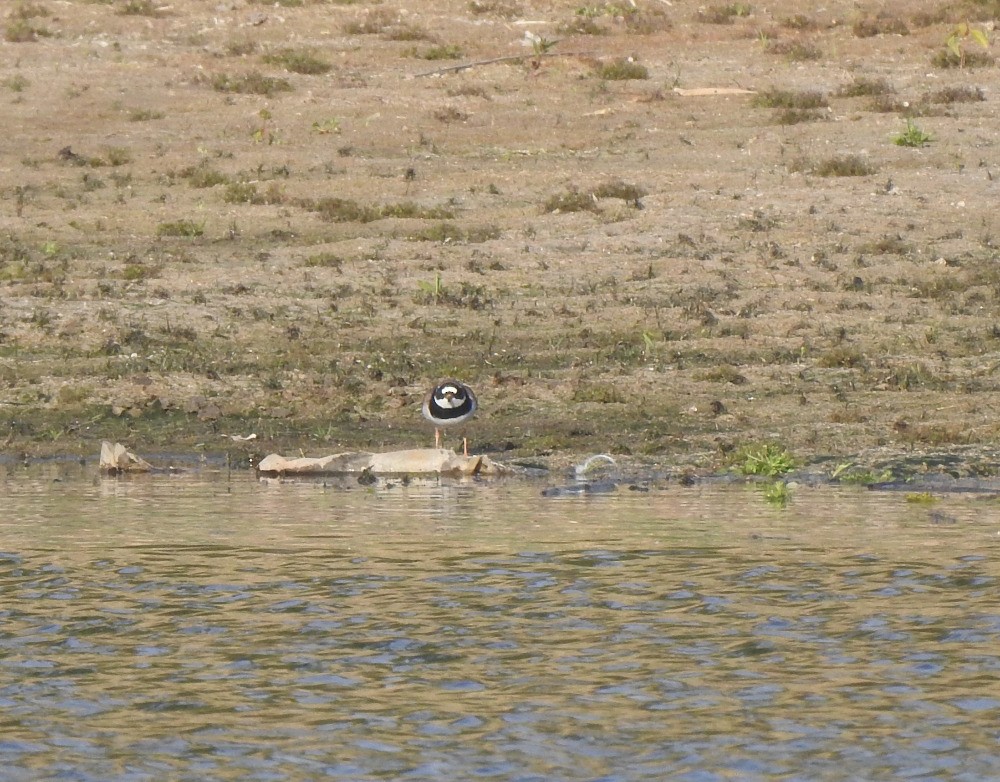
x,y
192,628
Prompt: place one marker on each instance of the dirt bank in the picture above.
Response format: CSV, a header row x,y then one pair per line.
x,y
275,219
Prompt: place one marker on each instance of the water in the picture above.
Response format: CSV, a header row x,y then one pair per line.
x,y
197,628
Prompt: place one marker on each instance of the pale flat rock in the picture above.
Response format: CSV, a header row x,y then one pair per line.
x,y
698,92
417,461
116,458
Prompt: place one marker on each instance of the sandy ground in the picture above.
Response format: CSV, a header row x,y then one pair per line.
x,y
288,220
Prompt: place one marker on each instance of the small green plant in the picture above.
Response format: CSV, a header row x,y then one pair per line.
x,y
262,134
430,292
325,260
848,472
298,61
330,126
442,52
117,156
616,188
144,115
920,498
187,228
446,232
881,24
724,14
247,193
957,94
203,175
777,493
342,210
572,200
17,83
539,44
138,8
774,98
601,393
251,83
794,51
20,30
865,87
769,460
622,69
958,41
913,136
844,165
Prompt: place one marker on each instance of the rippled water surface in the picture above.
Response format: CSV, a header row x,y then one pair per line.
x,y
201,628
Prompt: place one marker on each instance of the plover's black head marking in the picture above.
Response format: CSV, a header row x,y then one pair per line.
x,y
448,403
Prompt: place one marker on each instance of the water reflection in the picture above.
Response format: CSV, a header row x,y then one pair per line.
x,y
187,629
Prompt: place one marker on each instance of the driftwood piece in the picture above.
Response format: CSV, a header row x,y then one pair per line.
x,y
418,461
116,459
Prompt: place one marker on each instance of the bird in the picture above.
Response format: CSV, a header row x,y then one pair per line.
x,y
449,403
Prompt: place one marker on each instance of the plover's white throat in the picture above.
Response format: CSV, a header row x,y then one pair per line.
x,y
449,403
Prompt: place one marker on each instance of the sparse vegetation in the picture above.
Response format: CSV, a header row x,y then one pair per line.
x,y
185,228
139,8
622,70
774,98
724,14
571,201
864,86
303,61
913,136
251,83
777,493
795,51
957,45
883,23
768,460
442,52
844,165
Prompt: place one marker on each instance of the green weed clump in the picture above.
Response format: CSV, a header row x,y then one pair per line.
x,y
844,165
443,52
572,200
346,210
17,83
881,24
865,87
777,493
203,175
724,14
913,136
850,473
957,54
324,260
23,31
774,98
185,228
622,70
769,460
138,8
795,51
298,61
248,193
342,210
449,232
616,188
602,393
251,83
957,94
